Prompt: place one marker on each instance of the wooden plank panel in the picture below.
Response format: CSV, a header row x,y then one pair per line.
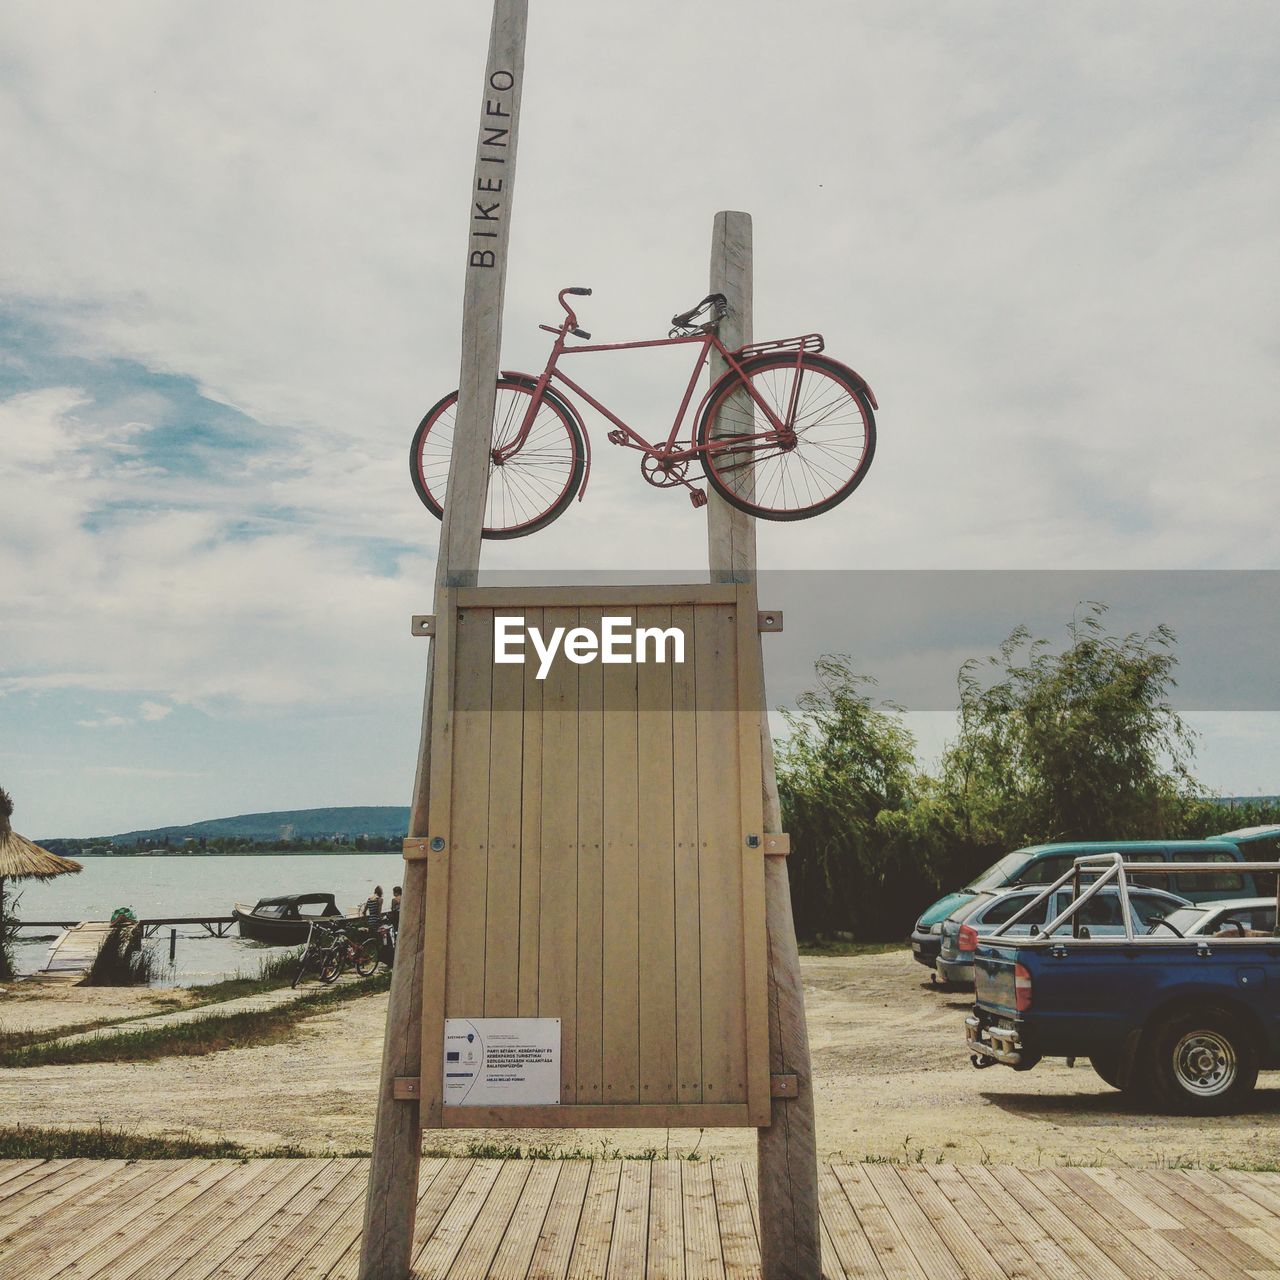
x,y
657,886
183,1236
580,597
112,1256
974,1250
63,1183
491,1224
531,835
515,1253
342,1198
738,1244
441,1247
601,1116
620,1064
720,843
558,864
560,1229
589,1039
688,915
664,1258
1076,1244
435,935
469,816
14,1168
251,1257
628,1248
849,1243
703,1257
506,791
118,1174
750,701
913,1223
234,1220
892,1251
1031,1237
1114,1228
590,1258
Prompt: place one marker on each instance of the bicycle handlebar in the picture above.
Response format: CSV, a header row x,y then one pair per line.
x,y
579,292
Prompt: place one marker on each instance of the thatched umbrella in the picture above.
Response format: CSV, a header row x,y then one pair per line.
x,y
22,859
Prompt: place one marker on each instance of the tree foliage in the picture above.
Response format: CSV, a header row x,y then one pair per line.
x,y
1078,743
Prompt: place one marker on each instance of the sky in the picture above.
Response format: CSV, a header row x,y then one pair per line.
x,y
234,241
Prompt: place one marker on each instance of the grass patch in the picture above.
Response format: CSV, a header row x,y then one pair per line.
x,y
273,972
847,947
32,1142
206,1034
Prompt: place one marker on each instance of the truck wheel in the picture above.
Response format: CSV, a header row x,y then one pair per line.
x,y
1107,1066
1201,1062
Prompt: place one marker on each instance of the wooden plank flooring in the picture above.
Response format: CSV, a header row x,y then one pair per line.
x,y
597,1220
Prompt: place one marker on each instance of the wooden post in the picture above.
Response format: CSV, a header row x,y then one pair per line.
x,y
786,1152
386,1250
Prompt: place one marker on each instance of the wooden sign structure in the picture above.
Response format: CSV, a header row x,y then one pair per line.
x,y
596,856
636,1063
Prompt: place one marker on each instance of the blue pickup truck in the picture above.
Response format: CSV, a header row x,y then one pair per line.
x,y
1184,1023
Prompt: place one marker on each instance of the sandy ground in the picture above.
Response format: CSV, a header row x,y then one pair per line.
x,y
892,1080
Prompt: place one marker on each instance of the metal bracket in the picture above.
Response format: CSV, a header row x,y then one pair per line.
x,y
406,1088
769,620
422,624
777,845
415,849
784,1085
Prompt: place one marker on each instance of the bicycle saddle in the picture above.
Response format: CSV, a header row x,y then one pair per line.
x,y
715,305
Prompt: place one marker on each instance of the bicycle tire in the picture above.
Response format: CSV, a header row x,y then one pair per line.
x,y
303,965
835,438
332,966
533,487
366,958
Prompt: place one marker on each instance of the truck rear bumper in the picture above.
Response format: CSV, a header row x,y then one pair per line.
x,y
990,1043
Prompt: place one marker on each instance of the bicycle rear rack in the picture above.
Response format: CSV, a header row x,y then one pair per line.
x,y
807,342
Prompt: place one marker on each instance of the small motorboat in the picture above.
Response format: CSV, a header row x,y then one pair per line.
x,y
284,921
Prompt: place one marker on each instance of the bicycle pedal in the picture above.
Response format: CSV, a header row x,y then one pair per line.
x,y
698,497
617,437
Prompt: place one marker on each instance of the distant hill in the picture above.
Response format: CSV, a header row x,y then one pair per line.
x,y
388,820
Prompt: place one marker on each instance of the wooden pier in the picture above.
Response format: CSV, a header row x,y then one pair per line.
x,y
614,1219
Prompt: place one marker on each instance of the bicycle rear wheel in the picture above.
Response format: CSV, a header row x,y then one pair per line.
x,y
819,467
527,491
366,957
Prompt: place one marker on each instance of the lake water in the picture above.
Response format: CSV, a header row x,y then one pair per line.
x,y
193,886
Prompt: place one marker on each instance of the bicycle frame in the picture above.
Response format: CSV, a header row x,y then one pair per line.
x,y
626,435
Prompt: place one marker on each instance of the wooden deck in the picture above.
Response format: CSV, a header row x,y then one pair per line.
x,y
608,1219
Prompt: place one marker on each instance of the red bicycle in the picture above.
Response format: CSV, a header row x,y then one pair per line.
x,y
784,434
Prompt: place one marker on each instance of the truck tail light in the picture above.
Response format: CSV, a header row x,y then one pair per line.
x,y
968,940
1021,988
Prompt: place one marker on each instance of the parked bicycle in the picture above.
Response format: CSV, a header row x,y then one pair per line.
x,y
786,433
319,956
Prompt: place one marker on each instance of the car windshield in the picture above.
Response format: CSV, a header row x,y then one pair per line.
x,y
1184,919
998,874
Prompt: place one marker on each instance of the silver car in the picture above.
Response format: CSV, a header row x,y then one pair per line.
x,y
1229,918
1101,916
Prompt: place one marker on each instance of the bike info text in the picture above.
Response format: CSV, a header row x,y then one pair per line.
x,y
494,149
620,640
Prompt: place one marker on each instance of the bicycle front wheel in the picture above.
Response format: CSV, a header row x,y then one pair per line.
x,y
531,487
366,957
823,459
332,967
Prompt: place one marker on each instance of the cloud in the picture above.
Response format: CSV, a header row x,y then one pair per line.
x,y
105,721
154,711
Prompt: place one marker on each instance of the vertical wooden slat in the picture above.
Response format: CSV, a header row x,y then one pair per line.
x,y
469,820
621,1058
531,834
435,913
506,791
558,861
657,887
665,1251
720,856
688,913
751,798
590,939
